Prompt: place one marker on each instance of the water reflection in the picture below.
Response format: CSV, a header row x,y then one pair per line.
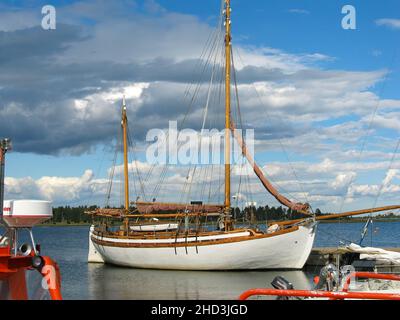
x,y
109,282
80,280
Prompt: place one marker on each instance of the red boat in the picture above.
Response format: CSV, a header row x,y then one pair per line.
x,y
284,290
24,273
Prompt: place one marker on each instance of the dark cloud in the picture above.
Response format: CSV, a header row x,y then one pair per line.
x,y
32,43
43,74
38,90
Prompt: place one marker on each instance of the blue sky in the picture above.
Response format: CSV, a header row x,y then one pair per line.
x,y
359,68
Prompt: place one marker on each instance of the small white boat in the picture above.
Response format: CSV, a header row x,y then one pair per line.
x,y
154,227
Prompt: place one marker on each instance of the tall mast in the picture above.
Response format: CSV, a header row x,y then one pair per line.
x,y
227,111
5,145
126,172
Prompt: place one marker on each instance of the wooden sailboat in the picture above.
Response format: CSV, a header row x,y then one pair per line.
x,y
282,246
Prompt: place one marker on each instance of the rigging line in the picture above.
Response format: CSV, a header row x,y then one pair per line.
x,y
199,62
111,174
248,184
132,180
390,166
190,186
220,192
383,87
205,115
194,96
240,183
212,44
214,49
222,184
237,93
132,173
181,199
206,109
207,45
200,136
240,121
97,174
209,93
279,140
382,184
131,143
235,80
214,120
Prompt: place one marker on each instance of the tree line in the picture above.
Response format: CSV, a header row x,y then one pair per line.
x,y
267,213
75,215
72,215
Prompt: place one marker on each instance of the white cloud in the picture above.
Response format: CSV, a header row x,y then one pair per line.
x,y
57,189
343,180
299,11
388,120
390,175
98,106
392,23
296,93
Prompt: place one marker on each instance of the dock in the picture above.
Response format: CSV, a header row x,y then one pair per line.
x,y
319,257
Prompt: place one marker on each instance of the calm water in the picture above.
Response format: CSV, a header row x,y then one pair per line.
x,y
69,247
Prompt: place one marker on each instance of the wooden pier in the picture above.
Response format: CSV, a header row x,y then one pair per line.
x,y
319,257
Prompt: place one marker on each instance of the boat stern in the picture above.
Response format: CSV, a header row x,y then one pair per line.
x,y
93,255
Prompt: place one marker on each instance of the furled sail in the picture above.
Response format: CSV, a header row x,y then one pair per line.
x,y
300,207
107,212
153,207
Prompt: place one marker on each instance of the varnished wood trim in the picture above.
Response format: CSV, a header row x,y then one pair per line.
x,y
192,243
169,234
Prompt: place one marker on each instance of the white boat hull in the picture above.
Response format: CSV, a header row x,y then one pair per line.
x,y
284,251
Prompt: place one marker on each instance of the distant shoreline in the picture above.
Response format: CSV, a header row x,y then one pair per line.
x,y
63,224
358,220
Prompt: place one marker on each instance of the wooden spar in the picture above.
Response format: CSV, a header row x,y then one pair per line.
x,y
227,112
126,173
341,215
300,207
358,212
117,213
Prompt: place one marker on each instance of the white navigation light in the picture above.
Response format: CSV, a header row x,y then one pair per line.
x,y
26,213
